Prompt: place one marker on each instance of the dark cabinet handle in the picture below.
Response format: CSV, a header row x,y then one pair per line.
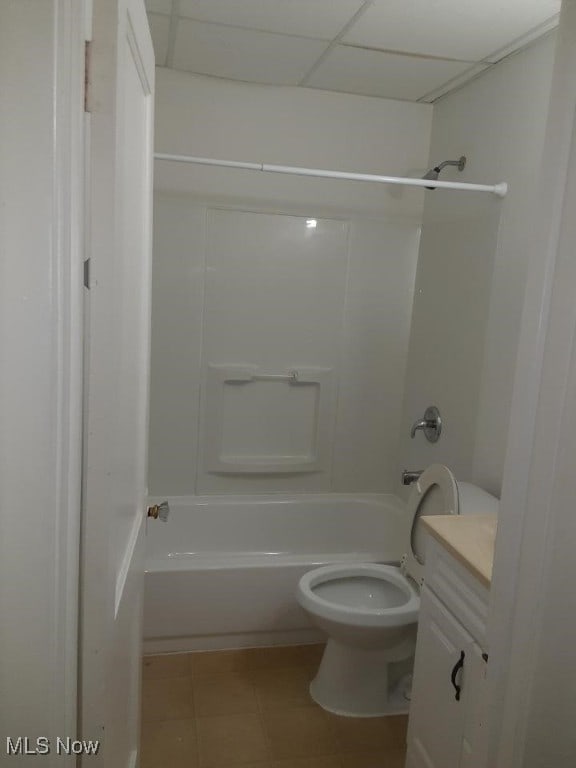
x,y
457,667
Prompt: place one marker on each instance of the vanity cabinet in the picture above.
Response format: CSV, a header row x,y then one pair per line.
x,y
446,725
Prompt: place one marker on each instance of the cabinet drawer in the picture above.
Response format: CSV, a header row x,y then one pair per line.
x,y
460,592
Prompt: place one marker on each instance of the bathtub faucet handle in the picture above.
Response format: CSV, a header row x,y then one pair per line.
x,y
431,425
159,511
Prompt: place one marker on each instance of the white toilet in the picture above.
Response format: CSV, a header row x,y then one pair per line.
x,y
370,611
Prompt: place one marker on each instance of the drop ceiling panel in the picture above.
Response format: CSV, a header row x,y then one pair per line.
x,y
469,30
454,82
520,42
242,54
159,29
308,18
374,73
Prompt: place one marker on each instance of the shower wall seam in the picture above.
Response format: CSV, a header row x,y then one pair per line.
x,y
342,344
201,351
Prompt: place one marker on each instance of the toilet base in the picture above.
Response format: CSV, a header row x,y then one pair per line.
x,y
356,682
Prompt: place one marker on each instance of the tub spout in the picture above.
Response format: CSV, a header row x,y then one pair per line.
x,y
410,476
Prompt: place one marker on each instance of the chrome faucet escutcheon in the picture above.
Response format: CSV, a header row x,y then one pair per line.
x,y
431,425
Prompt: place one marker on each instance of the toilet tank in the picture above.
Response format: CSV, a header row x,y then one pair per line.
x,y
473,500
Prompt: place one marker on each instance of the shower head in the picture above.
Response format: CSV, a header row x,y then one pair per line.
x,y
434,173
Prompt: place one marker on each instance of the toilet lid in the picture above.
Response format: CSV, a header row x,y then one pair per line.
x,y
434,493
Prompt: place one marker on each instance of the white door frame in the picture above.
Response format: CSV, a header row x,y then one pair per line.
x,y
537,496
42,245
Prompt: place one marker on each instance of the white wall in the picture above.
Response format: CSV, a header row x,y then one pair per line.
x,y
292,126
472,267
371,282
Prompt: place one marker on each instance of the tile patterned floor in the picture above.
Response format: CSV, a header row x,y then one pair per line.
x,y
251,709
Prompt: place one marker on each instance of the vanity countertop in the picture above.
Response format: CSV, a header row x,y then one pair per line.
x,y
469,538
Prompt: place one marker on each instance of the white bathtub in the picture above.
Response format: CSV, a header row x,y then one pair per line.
x,y
222,573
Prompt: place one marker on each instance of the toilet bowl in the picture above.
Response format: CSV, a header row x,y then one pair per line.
x,y
370,611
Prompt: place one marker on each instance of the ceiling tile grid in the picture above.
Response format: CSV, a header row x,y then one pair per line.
x,y
469,30
244,54
414,50
374,73
305,18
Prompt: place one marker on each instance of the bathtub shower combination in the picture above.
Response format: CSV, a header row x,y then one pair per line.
x,y
273,413
224,571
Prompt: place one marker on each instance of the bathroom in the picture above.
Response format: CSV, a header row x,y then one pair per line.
x,y
351,286
228,563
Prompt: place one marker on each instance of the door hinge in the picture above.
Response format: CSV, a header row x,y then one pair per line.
x,y
87,274
87,55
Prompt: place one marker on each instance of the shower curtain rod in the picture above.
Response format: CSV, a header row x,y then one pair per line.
x,y
497,189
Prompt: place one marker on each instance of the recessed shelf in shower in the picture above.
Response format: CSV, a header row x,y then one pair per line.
x,y
262,421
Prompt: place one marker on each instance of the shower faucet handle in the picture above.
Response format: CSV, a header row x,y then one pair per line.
x,y
431,425
159,511
418,425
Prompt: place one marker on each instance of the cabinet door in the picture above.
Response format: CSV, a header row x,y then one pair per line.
x,y
474,742
437,716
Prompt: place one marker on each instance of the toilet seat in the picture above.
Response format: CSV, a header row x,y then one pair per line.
x,y
434,493
342,611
